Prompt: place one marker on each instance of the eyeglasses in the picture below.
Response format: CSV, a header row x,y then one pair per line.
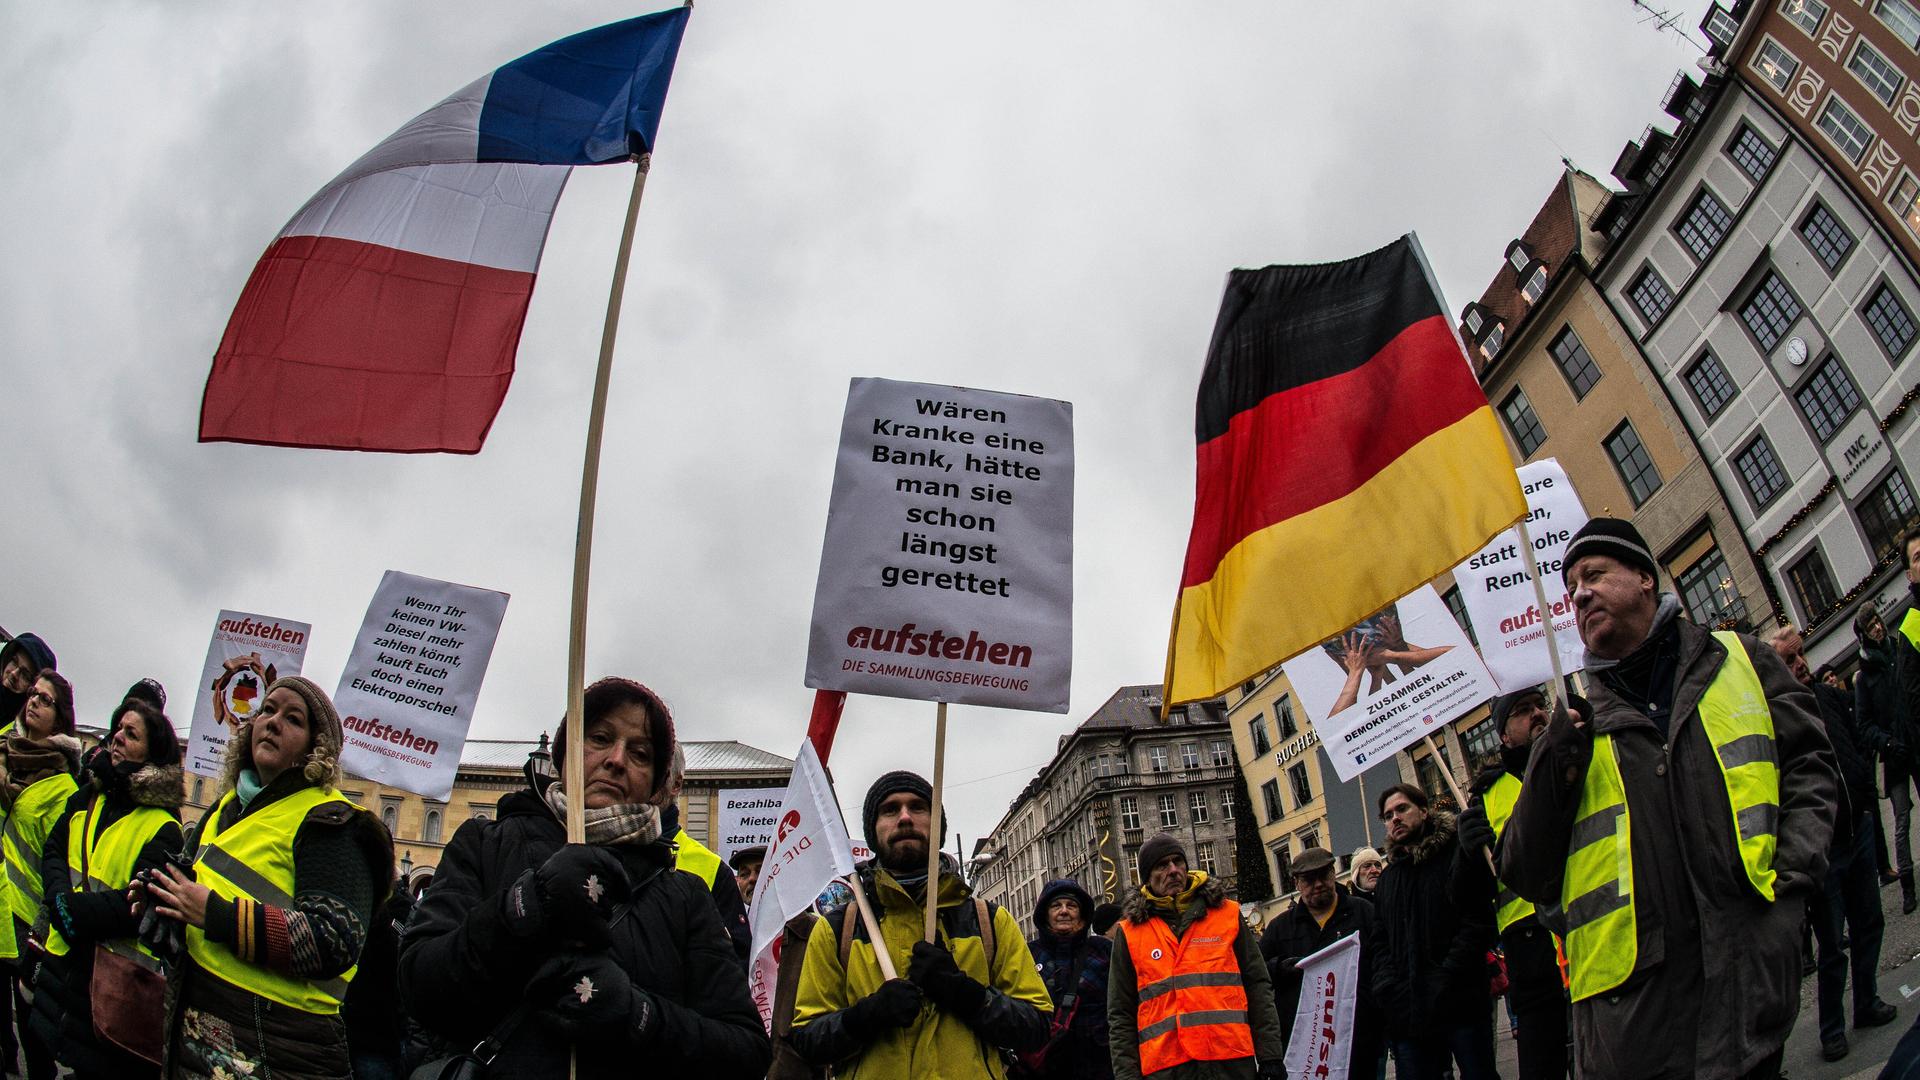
x,y
40,697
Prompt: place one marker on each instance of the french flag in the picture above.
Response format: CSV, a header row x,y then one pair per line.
x,y
386,314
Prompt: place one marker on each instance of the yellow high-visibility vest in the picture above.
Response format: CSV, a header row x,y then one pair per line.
x,y
108,856
694,857
1509,907
34,814
1910,626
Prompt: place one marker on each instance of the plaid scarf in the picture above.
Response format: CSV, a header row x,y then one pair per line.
x,y
634,823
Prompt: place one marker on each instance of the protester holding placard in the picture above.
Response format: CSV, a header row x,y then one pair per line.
x,y
599,948
286,876
1682,830
123,820
1320,917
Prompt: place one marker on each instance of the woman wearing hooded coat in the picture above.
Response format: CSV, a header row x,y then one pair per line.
x,y
1072,960
603,948
124,819
285,879
38,757
21,662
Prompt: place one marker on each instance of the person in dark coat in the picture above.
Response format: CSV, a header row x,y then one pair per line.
x,y
1882,712
21,662
1320,917
141,768
376,1021
619,958
1434,928
1073,963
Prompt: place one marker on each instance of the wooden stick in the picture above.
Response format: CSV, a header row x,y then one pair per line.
x,y
1459,796
1556,693
583,536
873,926
934,827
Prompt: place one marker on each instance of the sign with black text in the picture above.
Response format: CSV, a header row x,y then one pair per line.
x,y
1498,592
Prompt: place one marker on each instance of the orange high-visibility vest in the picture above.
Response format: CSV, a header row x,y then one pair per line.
x,y
1193,1006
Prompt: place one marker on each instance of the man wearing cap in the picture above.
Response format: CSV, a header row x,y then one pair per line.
x,y
1535,993
1319,918
1681,831
954,1005
746,869
1189,997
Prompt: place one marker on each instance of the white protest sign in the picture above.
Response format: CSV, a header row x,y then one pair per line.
x,y
1394,676
1321,1046
246,654
1499,594
947,572
809,849
745,819
407,693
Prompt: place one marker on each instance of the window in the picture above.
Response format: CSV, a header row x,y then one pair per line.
x,y
1806,14
390,817
1761,471
1308,837
1189,755
1813,584
1887,513
1875,72
1905,202
1221,754
1133,863
1901,17
1481,739
1302,787
1458,607
1826,236
1490,347
1262,745
1208,865
1770,311
1706,587
1710,385
1474,319
1283,711
1848,133
1527,432
1157,757
1227,799
1704,225
1270,798
1775,64
1169,811
1536,284
1892,324
480,811
1720,26
431,834
1517,256
1283,864
1575,362
1650,296
1753,154
1828,398
1129,813
1197,806
1635,465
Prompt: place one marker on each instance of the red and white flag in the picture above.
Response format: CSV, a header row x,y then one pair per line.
x,y
1322,1044
810,848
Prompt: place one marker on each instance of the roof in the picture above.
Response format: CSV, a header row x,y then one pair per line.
x,y
1560,231
702,757
1135,707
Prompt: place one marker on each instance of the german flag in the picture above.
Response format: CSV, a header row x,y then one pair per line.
x,y
1347,455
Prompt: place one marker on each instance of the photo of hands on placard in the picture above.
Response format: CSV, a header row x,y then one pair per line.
x,y
1376,650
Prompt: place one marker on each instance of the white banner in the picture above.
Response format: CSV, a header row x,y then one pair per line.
x,y
406,696
810,848
246,654
746,817
1499,594
1392,677
947,571
1321,1046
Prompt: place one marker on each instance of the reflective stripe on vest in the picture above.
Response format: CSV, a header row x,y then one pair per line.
x,y
1597,891
1508,906
108,856
34,814
1192,1003
693,857
1909,626
254,859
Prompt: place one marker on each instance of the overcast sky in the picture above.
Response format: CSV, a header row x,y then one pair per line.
x,y
1036,198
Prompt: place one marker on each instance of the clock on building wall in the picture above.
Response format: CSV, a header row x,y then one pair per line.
x,y
1796,351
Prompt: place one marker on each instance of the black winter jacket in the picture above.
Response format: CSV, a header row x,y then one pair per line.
x,y
1881,710
1294,935
462,971
1435,925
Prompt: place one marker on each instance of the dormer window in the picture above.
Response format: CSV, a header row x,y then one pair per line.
x,y
1536,284
1474,320
1518,256
1495,338
1720,26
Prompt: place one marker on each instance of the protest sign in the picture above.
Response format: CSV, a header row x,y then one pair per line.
x,y
246,654
407,693
1391,678
745,818
1499,595
809,849
947,571
1321,1046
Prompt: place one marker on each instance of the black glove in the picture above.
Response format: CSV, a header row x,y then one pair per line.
x,y
932,969
1474,829
895,1005
588,993
570,896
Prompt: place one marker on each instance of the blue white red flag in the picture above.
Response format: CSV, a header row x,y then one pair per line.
x,y
386,314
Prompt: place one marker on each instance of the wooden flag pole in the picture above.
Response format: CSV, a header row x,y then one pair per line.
x,y
1556,693
1453,785
934,827
583,536
873,927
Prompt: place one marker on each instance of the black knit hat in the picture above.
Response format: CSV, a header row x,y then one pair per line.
x,y
148,690
1154,851
891,784
1503,705
1611,537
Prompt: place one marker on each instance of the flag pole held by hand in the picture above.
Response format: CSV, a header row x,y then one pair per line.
x,y
934,826
873,927
1459,796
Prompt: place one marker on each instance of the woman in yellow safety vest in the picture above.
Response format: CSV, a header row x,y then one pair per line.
x,y
125,818
286,876
37,761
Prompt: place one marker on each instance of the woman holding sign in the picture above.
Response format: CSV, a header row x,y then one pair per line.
x,y
285,878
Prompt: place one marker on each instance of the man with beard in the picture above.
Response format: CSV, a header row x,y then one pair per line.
x,y
1883,716
1321,917
1434,930
1682,830
1534,992
961,1001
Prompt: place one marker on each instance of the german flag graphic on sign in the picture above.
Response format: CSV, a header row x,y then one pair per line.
x,y
1347,455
